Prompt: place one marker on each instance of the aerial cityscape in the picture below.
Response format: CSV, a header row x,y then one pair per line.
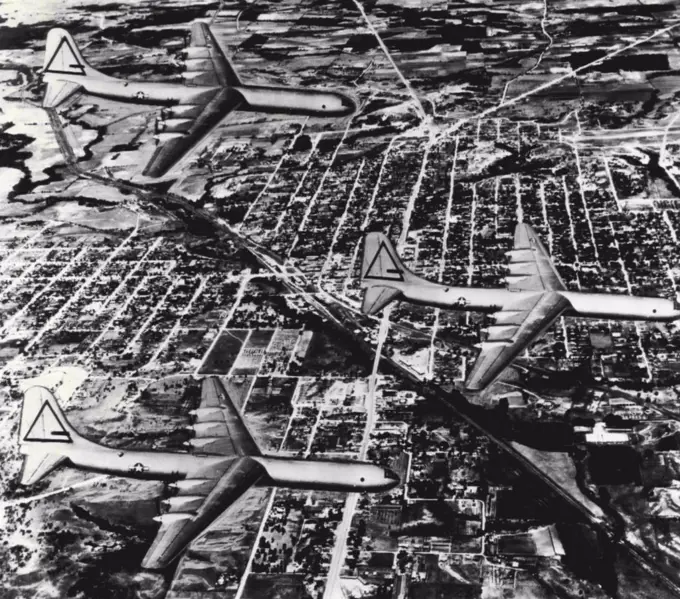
x,y
339,300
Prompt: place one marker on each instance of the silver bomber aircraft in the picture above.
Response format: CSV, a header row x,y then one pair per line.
x,y
224,464
212,90
534,298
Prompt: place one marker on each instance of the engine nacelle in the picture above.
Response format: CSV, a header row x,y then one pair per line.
x,y
201,442
164,137
521,255
183,503
214,428
190,76
182,111
196,52
206,414
198,64
177,124
197,485
486,345
171,517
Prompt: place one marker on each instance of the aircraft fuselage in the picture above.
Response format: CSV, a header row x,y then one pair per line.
x,y
321,475
292,100
325,475
256,98
586,305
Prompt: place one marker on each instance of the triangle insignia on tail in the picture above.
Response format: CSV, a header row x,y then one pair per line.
x,y
384,267
65,60
47,428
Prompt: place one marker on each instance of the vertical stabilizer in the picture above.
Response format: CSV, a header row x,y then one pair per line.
x,y
380,263
383,275
63,68
62,56
45,435
42,420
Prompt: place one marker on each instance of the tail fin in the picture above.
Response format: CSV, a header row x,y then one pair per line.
x,y
382,273
62,56
63,59
44,434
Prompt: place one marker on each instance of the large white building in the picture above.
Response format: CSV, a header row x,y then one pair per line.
x,y
600,435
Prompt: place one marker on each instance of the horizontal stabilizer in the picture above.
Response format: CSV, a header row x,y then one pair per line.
x,y
38,464
377,297
58,92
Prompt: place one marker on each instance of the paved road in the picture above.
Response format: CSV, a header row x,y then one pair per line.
x,y
333,589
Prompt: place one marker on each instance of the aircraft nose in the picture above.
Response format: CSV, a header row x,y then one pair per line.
x,y
349,106
391,479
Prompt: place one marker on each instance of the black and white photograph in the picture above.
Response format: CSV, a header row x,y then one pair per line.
x,y
340,299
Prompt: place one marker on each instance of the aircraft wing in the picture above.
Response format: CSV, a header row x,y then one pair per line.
x,y
206,64
182,135
530,267
218,425
201,500
517,326
208,491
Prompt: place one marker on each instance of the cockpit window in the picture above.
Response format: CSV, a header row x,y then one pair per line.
x,y
391,474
